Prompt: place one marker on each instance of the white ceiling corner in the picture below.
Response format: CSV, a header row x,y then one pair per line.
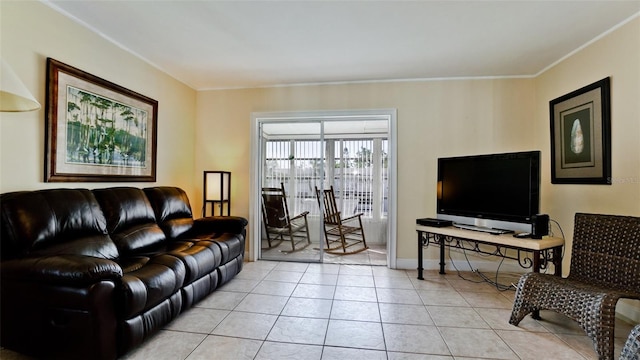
x,y
239,44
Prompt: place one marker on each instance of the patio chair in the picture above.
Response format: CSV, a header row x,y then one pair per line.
x,y
275,215
605,266
340,234
631,349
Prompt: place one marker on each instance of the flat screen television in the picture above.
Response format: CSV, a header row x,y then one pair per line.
x,y
504,187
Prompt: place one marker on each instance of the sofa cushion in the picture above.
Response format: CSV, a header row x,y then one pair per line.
x,y
200,258
231,245
172,208
130,219
147,281
54,222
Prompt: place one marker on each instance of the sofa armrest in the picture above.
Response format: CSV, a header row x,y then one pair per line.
x,y
61,269
220,224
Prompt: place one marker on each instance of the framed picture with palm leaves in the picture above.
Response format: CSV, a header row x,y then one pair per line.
x,y
95,130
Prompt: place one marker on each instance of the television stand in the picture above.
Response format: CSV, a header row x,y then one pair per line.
x,y
542,252
482,229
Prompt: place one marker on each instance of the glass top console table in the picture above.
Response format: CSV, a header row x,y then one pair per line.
x,y
535,254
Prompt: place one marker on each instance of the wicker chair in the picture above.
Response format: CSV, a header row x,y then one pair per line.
x,y
605,266
631,349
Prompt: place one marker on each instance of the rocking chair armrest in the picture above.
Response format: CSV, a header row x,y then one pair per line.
x,y
352,217
299,216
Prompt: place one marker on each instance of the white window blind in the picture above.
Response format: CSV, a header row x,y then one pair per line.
x,y
357,169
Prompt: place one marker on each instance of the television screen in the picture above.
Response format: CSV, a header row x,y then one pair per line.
x,y
496,186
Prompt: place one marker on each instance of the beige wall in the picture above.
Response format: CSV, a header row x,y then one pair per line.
x,y
617,56
438,118
31,32
455,117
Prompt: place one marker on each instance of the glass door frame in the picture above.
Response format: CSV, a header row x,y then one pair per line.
x,y
292,183
257,118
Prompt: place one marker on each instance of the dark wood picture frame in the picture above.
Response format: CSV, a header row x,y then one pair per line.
x,y
97,131
581,135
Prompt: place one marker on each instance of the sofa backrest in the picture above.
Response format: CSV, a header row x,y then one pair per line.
x,y
172,209
55,222
131,221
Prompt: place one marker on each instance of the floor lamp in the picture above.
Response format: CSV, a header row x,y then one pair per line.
x,y
217,191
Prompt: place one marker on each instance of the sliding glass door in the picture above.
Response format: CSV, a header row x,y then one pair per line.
x,y
292,165
296,153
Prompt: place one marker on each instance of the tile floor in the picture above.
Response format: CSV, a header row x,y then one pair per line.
x,y
288,310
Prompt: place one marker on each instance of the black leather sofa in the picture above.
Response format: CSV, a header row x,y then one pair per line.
x,y
90,274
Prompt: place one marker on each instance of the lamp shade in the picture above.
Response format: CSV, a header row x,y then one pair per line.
x,y
217,191
217,183
14,96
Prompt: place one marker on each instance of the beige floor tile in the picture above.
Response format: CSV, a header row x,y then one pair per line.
x,y
319,279
456,317
355,293
278,288
314,291
337,353
263,304
299,330
355,280
166,345
198,320
356,270
222,300
239,285
392,282
486,300
225,348
323,268
404,314
432,284
533,346
482,343
444,298
409,356
355,334
355,310
286,276
399,296
284,351
414,339
559,324
246,325
309,308
498,319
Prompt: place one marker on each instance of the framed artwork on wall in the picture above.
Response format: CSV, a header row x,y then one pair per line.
x,y
581,136
97,131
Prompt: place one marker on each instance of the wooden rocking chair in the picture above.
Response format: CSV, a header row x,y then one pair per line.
x,y
340,234
275,215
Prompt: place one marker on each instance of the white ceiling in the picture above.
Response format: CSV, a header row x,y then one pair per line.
x,y
234,44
